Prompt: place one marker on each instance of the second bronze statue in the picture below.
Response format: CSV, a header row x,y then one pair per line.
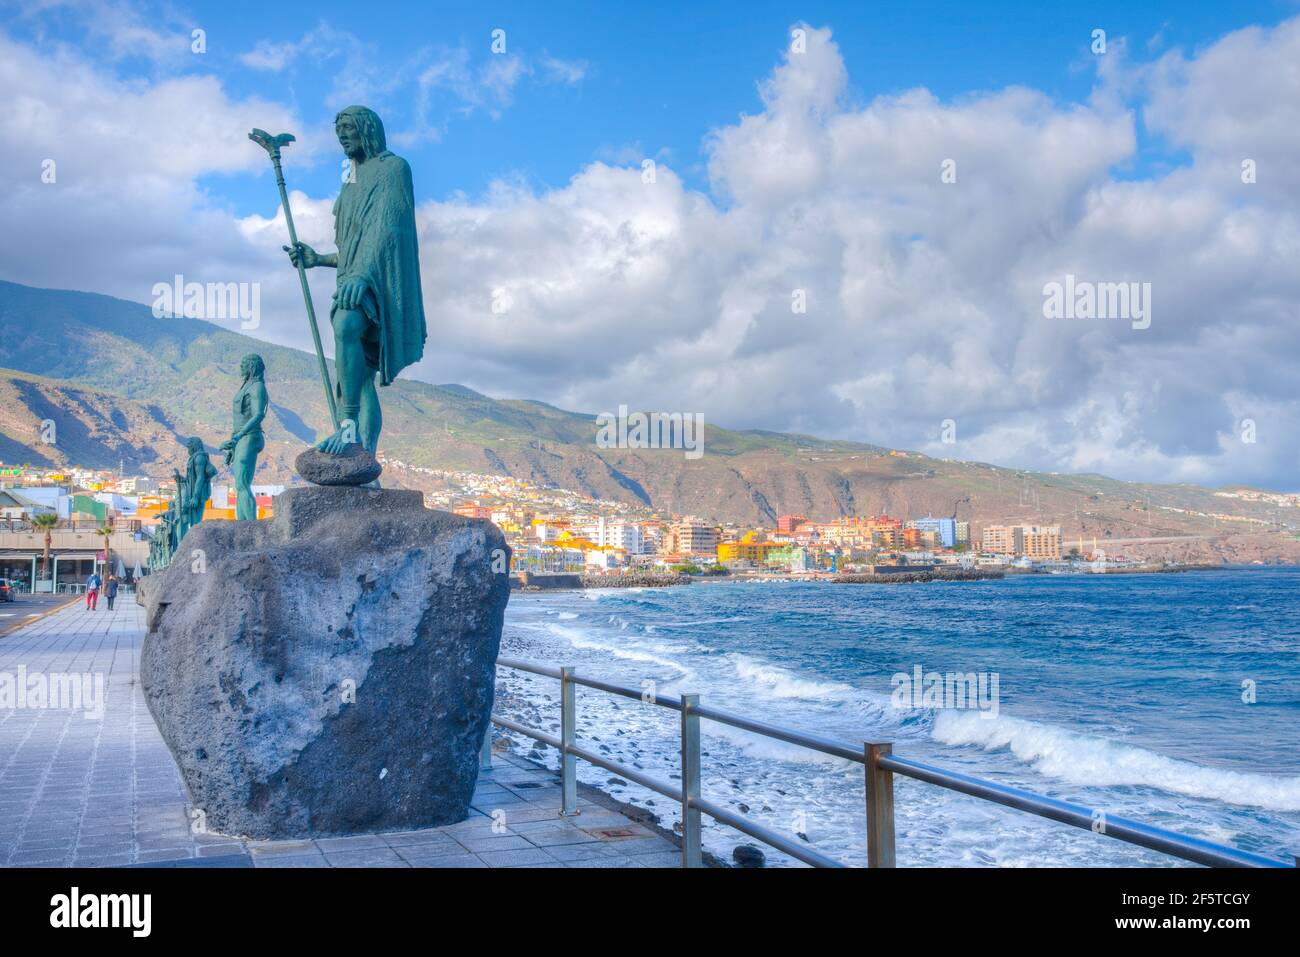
x,y
246,439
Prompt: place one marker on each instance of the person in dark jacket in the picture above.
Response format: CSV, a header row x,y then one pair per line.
x,y
110,590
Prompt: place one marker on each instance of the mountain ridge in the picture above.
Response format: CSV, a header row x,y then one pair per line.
x,y
122,384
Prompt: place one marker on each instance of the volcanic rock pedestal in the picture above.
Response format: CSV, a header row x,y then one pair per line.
x,y
330,670
355,466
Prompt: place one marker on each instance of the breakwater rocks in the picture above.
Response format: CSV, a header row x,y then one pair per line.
x,y
634,581
532,581
1160,569
937,575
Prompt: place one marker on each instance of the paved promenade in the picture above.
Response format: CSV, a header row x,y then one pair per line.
x,y
104,790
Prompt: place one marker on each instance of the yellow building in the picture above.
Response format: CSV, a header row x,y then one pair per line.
x,y
746,551
1042,542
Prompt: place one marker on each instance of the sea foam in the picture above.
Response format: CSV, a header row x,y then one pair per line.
x,y
773,682
1085,759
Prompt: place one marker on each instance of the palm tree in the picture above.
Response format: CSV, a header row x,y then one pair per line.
x,y
46,521
106,530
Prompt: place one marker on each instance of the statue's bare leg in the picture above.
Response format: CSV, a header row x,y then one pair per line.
x,y
371,419
243,465
353,374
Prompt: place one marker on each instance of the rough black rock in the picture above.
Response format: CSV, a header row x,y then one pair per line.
x,y
354,466
747,855
330,670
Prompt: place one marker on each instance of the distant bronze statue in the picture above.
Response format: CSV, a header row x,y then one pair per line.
x,y
378,310
163,545
195,487
178,510
247,441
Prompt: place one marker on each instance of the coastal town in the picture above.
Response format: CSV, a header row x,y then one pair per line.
x,y
58,526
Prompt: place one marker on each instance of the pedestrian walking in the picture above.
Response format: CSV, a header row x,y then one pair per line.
x,y
92,591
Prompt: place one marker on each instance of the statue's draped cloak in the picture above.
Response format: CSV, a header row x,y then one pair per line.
x,y
374,228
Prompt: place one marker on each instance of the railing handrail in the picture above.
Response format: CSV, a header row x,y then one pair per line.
x,y
878,760
1096,820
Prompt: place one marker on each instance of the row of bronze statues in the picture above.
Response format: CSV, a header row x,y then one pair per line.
x,y
194,486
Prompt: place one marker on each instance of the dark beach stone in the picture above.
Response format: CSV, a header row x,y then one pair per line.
x,y
355,466
747,855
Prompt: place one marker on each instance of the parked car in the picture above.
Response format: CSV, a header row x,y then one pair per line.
x,y
8,590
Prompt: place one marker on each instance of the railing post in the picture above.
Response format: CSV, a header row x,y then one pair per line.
x,y
880,806
485,752
691,856
568,737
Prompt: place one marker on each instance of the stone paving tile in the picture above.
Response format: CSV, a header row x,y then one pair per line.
x,y
293,860
532,855
359,842
560,835
534,825
424,855
487,805
525,813
220,850
107,850
642,845
106,792
501,842
623,862
581,852
147,857
281,849
382,856
441,863
427,837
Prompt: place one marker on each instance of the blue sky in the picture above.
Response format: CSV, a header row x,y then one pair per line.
x,y
814,173
656,78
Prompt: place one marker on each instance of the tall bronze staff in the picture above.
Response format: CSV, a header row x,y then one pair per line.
x,y
272,145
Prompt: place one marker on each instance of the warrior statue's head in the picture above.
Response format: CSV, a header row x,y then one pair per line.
x,y
360,132
252,366
194,444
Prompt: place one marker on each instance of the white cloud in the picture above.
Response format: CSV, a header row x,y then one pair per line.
x,y
124,30
567,72
427,86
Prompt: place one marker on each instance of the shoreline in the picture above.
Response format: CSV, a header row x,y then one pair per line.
x,y
579,582
904,578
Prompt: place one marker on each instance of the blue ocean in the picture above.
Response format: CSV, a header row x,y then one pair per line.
x,y
1173,699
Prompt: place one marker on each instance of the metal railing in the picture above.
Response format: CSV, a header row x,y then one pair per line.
x,y
878,760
